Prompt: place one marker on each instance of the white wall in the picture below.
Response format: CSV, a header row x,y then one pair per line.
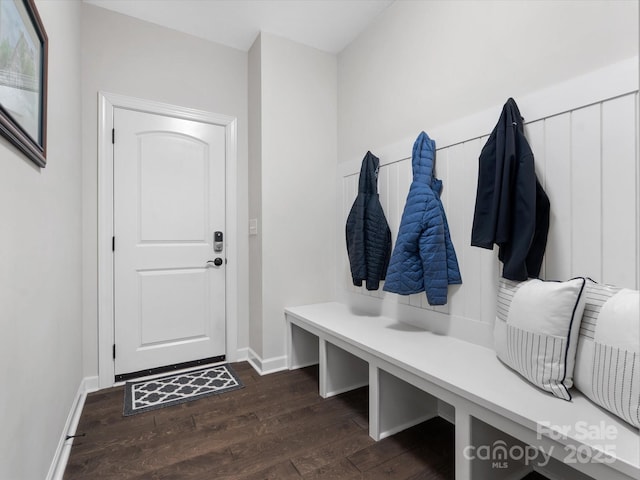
x,y
397,79
297,197
40,267
423,64
130,57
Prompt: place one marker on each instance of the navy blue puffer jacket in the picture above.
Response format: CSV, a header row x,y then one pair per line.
x,y
367,230
424,258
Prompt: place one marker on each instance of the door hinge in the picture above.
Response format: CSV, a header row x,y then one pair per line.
x,y
114,351
113,244
113,135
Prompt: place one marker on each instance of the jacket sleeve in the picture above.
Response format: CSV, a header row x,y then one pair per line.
x,y
378,243
434,255
539,243
355,241
515,252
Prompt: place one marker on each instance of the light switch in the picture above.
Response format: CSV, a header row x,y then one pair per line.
x,y
253,226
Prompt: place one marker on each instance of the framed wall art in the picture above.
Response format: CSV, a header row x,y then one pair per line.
x,y
23,78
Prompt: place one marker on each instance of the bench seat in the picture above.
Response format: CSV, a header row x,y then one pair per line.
x,y
414,374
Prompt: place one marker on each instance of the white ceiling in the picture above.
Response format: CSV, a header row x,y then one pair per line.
x,y
328,25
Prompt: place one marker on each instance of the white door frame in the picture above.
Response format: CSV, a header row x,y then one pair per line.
x,y
107,102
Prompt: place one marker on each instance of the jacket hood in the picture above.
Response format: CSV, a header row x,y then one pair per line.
x,y
424,150
368,182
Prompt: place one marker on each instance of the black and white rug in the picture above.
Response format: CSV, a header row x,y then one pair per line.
x,y
145,395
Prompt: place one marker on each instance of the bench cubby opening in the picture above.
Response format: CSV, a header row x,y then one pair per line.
x,y
340,371
302,348
396,405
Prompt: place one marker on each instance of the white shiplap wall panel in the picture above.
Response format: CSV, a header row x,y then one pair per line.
x,y
619,196
488,290
384,181
535,133
557,185
587,161
393,207
395,201
457,169
472,267
586,192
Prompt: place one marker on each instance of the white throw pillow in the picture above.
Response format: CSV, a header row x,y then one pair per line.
x,y
536,330
608,360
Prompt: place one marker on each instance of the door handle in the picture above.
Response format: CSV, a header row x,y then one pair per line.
x,y
215,263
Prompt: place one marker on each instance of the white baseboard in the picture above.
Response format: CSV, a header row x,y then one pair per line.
x,y
242,355
91,384
61,456
266,366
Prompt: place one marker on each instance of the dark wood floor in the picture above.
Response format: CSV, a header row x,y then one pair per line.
x,y
277,427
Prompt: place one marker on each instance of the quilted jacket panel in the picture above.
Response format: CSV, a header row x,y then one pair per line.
x,y
367,231
424,259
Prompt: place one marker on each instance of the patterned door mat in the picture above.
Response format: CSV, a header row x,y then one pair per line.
x,y
146,395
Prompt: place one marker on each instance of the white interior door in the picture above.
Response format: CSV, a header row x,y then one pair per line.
x,y
169,199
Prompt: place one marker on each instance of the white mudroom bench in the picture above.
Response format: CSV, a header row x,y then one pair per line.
x,y
504,426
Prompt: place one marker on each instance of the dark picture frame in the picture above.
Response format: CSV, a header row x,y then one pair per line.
x,y
23,79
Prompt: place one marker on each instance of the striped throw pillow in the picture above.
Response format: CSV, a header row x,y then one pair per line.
x,y
608,360
536,330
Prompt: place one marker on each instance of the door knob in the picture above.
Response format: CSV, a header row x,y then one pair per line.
x,y
216,262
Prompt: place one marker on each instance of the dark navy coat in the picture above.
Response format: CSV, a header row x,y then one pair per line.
x,y
512,208
367,230
423,259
